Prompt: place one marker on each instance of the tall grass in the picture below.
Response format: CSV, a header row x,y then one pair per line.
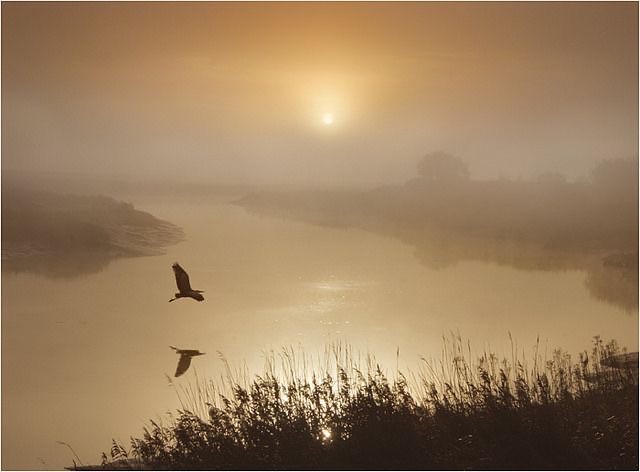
x,y
342,412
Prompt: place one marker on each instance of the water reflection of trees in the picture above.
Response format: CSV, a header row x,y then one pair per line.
x,y
614,284
546,223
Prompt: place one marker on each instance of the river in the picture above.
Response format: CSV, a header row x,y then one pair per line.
x,y
86,358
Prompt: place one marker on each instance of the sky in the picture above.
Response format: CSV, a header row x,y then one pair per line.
x,y
239,92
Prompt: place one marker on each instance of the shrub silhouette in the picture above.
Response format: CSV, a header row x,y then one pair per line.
x,y
485,415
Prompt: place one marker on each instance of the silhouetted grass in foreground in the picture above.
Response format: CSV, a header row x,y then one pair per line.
x,y
487,414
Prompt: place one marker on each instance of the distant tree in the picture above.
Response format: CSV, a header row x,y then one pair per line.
x,y
444,167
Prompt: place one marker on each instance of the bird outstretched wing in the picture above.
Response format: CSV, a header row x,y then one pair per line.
x,y
183,364
182,278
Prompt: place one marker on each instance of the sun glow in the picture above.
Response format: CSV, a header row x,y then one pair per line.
x,y
327,119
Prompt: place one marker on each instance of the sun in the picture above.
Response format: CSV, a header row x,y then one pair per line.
x,y
327,119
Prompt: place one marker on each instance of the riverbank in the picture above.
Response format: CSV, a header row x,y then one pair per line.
x,y
488,414
64,235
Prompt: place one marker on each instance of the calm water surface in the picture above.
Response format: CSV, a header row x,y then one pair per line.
x,y
84,359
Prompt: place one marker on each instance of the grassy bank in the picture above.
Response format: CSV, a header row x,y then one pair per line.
x,y
64,236
458,413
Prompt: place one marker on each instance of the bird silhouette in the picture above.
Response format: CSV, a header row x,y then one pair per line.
x,y
185,359
184,287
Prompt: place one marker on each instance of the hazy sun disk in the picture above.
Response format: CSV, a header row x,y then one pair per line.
x,y
327,118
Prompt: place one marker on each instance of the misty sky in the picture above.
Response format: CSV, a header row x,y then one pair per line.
x,y
236,92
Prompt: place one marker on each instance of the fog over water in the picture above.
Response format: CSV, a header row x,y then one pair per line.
x,y
85,355
374,174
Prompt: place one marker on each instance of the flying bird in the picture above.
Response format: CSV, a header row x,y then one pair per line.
x,y
185,359
184,287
